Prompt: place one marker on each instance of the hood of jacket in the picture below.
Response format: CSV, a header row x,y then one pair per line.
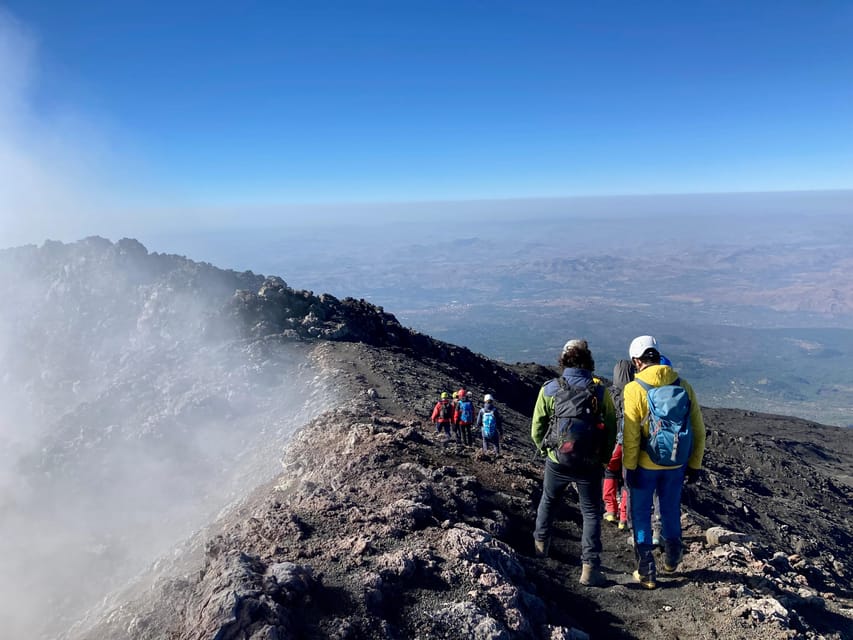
x,y
577,377
658,375
574,378
623,373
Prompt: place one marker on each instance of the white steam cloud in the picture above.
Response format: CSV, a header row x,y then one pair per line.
x,y
129,416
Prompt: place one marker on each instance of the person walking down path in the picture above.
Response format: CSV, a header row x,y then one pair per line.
x,y
454,400
663,446
490,424
442,415
616,506
574,426
463,418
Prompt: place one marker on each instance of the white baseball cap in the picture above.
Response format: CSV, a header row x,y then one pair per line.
x,y
487,397
640,344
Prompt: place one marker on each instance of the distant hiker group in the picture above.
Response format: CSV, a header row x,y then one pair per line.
x,y
456,415
645,431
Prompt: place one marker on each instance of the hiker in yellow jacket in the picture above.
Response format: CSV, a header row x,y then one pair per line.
x,y
643,476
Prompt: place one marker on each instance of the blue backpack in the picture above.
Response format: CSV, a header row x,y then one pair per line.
x,y
490,425
670,438
466,411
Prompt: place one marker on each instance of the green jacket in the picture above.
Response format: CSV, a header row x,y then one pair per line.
x,y
544,409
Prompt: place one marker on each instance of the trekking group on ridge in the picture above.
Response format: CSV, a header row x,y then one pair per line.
x,y
644,435
456,415
648,431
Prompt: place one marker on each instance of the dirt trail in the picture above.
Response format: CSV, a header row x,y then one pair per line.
x,y
781,480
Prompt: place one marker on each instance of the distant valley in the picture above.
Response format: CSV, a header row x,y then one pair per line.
x,y
757,312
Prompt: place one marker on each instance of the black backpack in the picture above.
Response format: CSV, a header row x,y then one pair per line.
x,y
445,412
576,433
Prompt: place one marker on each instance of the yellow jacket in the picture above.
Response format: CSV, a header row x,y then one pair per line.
x,y
637,423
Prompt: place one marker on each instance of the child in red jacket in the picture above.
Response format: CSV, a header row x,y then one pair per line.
x,y
615,508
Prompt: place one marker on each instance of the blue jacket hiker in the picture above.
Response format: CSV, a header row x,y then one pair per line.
x,y
463,418
490,424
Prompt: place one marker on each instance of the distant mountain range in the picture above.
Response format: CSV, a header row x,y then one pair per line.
x,y
758,311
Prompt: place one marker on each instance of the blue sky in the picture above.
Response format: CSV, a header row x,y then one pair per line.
x,y
159,105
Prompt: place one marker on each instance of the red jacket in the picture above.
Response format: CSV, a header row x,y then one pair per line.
x,y
436,412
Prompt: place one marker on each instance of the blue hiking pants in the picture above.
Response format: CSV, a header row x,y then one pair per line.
x,y
667,483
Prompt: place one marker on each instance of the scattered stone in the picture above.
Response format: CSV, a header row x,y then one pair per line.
x,y
467,620
764,610
718,535
781,562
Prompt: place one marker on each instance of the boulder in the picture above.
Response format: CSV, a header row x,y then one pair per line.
x,y
718,535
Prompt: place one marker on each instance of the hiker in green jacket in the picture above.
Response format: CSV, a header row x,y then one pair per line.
x,y
574,425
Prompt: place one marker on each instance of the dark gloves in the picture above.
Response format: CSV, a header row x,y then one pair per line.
x,y
691,475
631,477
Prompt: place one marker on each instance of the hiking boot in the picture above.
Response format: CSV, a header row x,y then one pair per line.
x,y
610,517
542,547
623,524
669,568
647,582
592,576
673,555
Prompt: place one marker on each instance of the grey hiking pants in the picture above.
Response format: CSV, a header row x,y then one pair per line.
x,y
557,479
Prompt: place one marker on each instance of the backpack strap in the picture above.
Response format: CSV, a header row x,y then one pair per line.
x,y
648,387
644,440
599,394
552,419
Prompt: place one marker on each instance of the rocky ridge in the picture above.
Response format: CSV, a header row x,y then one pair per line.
x,y
376,529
